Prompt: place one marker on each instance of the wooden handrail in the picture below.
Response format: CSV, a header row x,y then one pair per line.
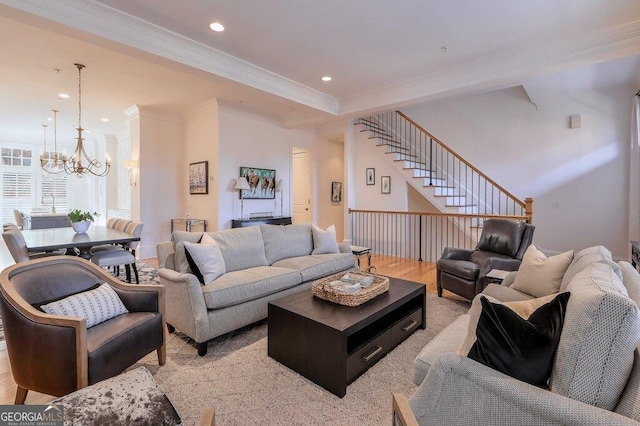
x,y
459,157
464,215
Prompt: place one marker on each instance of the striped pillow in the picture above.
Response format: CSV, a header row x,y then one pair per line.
x,y
96,306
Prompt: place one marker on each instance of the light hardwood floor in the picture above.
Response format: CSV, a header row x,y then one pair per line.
x,y
423,272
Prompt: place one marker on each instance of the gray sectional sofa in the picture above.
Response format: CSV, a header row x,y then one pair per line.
x,y
263,263
595,377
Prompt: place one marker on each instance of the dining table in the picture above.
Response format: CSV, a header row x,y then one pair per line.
x,y
51,239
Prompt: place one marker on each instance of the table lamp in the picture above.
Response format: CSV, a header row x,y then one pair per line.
x,y
241,184
279,189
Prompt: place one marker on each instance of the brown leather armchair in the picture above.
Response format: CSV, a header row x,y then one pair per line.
x,y
501,246
56,354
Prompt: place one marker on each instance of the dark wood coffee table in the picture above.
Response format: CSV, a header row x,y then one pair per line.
x,y
331,344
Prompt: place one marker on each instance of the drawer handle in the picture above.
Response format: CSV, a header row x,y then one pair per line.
x,y
410,325
372,354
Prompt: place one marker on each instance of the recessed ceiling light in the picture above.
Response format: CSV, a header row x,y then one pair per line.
x,y
216,26
326,78
63,96
105,119
49,119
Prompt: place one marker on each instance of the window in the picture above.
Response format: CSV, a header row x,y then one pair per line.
x,y
17,193
25,185
16,157
54,186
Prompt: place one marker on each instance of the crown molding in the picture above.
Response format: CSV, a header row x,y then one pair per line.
x,y
112,24
503,70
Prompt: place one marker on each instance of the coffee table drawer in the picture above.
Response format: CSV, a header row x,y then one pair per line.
x,y
368,355
403,328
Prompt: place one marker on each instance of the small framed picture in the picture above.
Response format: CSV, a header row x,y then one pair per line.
x,y
336,192
385,184
198,175
371,176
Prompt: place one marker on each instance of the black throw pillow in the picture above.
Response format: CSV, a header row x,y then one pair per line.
x,y
521,348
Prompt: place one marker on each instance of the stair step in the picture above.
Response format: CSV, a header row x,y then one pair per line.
x,y
435,182
366,122
446,190
422,173
393,147
409,164
402,156
385,137
464,204
390,143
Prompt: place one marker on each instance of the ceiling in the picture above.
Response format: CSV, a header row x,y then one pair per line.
x,y
381,54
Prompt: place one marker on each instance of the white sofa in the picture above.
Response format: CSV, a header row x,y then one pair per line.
x,y
262,263
595,378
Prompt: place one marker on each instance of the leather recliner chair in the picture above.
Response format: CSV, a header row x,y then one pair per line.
x,y
57,354
501,246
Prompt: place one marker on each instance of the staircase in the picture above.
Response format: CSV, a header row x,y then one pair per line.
x,y
448,181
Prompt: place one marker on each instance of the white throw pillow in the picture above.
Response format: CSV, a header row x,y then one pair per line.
x,y
96,306
207,239
540,275
324,241
205,259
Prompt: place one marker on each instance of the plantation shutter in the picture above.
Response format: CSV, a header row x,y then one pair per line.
x,y
17,193
55,185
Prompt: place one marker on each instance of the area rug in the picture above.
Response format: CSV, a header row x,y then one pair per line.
x,y
147,274
246,387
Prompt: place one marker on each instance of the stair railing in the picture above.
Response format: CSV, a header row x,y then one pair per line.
x,y
455,178
416,235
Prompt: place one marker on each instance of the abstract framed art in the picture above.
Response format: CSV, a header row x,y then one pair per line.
x,y
336,192
371,176
198,182
385,184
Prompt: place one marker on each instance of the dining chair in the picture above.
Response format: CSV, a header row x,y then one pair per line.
x,y
122,255
10,227
19,217
112,223
17,246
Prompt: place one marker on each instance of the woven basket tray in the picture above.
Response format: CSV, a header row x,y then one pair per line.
x,y
320,289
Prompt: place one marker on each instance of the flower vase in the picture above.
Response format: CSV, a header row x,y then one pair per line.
x,y
81,227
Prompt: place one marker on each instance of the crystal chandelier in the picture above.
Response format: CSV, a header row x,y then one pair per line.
x,y
52,162
79,163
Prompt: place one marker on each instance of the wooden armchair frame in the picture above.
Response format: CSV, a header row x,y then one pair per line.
x,y
76,346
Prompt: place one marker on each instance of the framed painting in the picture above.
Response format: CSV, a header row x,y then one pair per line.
x,y
385,184
371,176
262,183
198,178
336,192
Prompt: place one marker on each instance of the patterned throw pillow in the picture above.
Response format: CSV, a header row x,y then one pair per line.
x,y
96,306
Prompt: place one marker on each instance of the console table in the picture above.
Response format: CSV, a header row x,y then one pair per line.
x,y
188,223
275,220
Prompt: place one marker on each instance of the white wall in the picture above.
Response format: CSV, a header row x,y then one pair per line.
x,y
161,182
329,156
534,153
250,140
369,197
201,135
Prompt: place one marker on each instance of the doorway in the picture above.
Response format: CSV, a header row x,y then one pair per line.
x,y
302,180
